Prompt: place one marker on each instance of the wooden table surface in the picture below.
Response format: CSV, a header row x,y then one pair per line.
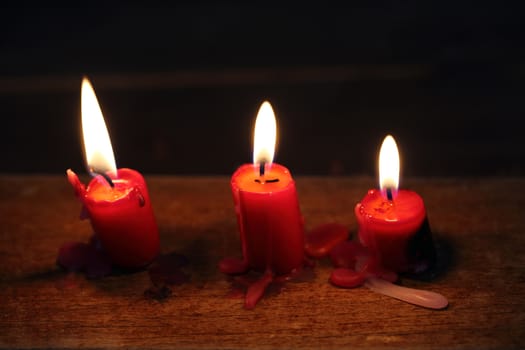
x,y
478,226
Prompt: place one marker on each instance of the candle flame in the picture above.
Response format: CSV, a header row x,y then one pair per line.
x,y
265,135
389,165
97,144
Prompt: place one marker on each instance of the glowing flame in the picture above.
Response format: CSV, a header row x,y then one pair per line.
x,y
97,145
389,165
265,135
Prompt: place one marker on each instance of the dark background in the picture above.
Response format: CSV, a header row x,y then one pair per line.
x,y
180,86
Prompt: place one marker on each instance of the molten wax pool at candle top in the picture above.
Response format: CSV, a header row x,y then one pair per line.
x,y
116,201
268,214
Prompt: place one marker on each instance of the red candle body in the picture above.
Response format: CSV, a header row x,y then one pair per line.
x,y
396,231
121,216
269,219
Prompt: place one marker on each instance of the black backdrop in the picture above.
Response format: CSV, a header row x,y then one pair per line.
x,y
179,86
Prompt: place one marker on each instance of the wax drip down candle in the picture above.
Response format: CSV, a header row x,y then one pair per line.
x,y
393,223
116,200
268,213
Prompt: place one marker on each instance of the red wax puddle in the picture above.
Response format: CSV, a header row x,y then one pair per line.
x,y
354,264
347,278
253,286
82,257
256,290
320,240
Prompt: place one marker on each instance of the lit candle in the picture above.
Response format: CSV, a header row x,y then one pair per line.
x,y
116,200
268,213
393,223
394,237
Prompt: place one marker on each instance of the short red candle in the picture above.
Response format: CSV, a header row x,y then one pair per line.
x,y
268,214
269,218
396,229
116,200
121,216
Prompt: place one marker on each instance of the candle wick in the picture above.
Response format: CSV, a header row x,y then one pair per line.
x,y
262,180
389,194
261,168
104,175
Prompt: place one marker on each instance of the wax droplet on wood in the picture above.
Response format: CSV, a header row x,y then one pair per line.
x,y
256,290
320,240
347,278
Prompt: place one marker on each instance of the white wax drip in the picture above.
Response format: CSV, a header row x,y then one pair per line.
x,y
419,297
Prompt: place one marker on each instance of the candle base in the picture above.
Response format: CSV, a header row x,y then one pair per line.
x,y
255,282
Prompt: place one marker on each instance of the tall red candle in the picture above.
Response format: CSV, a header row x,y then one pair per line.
x,y
392,223
268,214
269,218
116,201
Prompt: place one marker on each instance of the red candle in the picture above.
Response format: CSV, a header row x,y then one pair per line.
x,y
268,214
267,208
393,224
116,201
269,219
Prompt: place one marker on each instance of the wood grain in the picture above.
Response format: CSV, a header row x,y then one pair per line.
x,y
478,226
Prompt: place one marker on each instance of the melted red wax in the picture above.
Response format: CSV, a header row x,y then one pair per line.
x,y
323,238
356,266
253,286
347,278
83,257
256,290
318,243
354,263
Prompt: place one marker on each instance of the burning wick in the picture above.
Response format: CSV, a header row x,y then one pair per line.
x,y
389,195
261,174
106,177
